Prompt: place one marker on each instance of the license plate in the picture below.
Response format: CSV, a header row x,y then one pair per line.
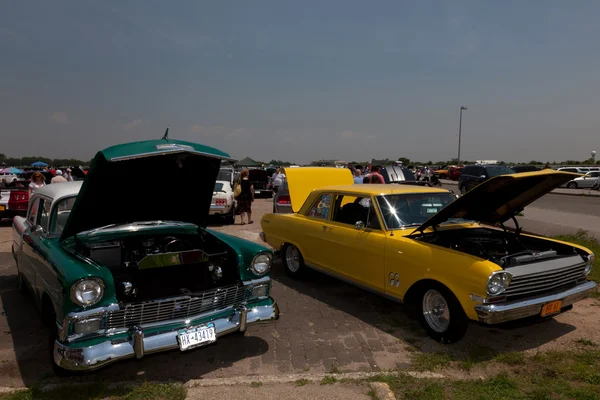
x,y
257,192
551,308
196,337
2,208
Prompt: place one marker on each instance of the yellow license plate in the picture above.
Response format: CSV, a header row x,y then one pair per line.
x,y
551,308
2,208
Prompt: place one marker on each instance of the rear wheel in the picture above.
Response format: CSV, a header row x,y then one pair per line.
x,y
293,261
230,218
441,315
572,185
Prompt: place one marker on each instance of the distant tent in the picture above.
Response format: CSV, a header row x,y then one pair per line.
x,y
39,164
248,162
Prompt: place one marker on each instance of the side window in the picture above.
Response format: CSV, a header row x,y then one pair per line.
x,y
351,209
321,207
33,211
44,213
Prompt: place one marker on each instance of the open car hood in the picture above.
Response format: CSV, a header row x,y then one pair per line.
x,y
500,198
167,180
303,180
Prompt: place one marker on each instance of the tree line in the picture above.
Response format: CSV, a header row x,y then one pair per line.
x,y
27,161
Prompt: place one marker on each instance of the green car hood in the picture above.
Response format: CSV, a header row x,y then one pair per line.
x,y
167,180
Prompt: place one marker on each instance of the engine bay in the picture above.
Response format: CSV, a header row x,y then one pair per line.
x,y
507,249
158,266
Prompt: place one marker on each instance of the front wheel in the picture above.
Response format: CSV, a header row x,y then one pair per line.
x,y
293,261
442,316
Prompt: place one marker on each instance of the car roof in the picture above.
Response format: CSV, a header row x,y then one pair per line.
x,y
380,189
56,190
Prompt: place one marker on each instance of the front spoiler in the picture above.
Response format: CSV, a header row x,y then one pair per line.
x,y
519,309
138,345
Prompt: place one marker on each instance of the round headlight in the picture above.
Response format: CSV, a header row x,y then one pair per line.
x,y
87,292
497,283
261,264
589,263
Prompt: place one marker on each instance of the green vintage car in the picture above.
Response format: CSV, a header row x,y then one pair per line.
x,y
122,265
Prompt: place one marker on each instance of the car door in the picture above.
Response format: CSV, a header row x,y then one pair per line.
x,y
312,229
588,180
356,242
30,241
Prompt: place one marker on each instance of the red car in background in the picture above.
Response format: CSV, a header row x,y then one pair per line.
x,y
455,172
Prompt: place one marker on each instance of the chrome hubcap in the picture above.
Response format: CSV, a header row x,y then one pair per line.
x,y
292,258
435,311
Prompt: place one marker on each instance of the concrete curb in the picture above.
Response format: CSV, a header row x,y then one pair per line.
x,y
241,380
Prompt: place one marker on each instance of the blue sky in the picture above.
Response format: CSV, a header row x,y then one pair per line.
x,y
303,80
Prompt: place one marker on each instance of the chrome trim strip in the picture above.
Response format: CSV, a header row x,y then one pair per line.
x,y
96,356
510,311
173,151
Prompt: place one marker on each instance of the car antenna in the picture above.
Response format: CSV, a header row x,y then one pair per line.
x,y
166,135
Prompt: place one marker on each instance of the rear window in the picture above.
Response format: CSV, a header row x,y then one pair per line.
x,y
219,187
499,170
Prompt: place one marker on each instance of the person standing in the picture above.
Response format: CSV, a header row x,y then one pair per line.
x,y
246,197
58,178
68,176
37,181
376,171
358,178
277,179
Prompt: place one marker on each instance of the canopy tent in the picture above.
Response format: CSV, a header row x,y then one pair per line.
x,y
39,164
248,162
12,170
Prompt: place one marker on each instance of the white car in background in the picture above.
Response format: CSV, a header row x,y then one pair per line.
x,y
223,203
584,182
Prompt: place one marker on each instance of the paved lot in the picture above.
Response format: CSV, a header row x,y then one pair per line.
x,y
325,326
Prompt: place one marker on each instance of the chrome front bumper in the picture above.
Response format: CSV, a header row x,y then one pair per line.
x,y
510,311
138,344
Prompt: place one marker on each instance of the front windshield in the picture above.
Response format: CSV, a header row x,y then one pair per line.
x,y
412,210
499,170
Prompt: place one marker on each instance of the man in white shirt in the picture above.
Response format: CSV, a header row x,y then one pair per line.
x,y
277,179
58,178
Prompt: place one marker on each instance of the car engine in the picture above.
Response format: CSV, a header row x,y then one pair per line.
x,y
152,267
507,249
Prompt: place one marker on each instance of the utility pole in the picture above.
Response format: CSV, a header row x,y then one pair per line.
x,y
462,108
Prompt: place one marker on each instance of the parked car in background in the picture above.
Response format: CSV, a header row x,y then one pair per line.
x,y
474,175
446,258
584,182
116,277
525,168
223,203
455,172
281,200
260,180
227,174
443,173
399,174
13,201
574,170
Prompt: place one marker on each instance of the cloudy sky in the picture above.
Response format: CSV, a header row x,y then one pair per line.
x,y
303,80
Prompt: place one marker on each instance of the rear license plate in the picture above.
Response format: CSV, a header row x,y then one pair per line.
x,y
196,337
551,308
257,192
2,208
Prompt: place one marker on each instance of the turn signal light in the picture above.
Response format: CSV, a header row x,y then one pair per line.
x,y
284,200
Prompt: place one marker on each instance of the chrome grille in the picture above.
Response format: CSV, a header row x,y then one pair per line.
x,y
175,308
525,285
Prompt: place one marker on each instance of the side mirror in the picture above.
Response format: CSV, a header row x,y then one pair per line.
x,y
359,225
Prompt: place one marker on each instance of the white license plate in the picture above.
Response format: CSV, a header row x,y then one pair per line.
x,y
257,192
195,337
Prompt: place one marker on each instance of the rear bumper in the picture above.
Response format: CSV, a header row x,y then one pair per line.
x,y
220,211
505,312
138,345
9,213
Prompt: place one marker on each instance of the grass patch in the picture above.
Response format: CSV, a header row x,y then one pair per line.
x,y
255,384
511,358
302,382
586,342
144,391
431,361
328,380
476,355
584,239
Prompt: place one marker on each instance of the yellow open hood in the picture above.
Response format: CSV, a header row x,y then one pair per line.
x,y
303,180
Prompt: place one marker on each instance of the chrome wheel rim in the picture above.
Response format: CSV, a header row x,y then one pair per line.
x,y
435,311
292,258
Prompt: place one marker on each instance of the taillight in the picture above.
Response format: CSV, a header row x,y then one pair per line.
x,y
221,202
284,200
18,200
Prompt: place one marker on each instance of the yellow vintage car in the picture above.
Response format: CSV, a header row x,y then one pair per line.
x,y
451,259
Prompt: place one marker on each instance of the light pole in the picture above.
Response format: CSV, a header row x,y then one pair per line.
x,y
462,108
